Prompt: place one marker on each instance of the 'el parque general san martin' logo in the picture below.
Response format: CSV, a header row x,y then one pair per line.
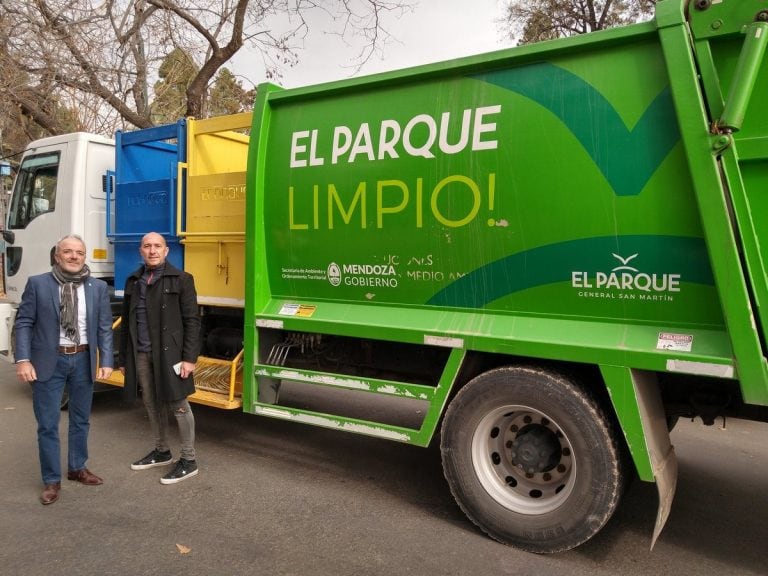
x,y
642,267
626,282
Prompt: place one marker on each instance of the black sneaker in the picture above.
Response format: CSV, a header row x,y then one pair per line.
x,y
184,469
154,458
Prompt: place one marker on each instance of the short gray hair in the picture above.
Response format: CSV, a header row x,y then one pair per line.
x,y
69,237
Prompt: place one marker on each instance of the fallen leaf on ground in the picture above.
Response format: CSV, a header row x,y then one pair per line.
x,y
183,549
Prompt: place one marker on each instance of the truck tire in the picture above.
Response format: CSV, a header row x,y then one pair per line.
x,y
531,459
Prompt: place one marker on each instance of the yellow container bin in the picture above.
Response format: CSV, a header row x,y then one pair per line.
x,y
213,226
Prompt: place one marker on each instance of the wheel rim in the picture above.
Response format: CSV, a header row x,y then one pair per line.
x,y
523,459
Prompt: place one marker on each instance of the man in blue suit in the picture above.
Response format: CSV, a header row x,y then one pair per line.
x,y
63,318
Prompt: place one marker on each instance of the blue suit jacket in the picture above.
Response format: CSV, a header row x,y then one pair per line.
x,y
38,324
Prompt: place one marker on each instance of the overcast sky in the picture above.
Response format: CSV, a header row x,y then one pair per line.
x,y
435,30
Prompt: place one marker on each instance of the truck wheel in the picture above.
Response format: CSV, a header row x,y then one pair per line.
x,y
531,459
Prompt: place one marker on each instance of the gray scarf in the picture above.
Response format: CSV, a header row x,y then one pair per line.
x,y
68,307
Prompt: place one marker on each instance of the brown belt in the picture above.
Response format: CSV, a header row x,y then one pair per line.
x,y
73,349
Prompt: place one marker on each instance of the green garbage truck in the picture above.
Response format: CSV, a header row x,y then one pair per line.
x,y
539,257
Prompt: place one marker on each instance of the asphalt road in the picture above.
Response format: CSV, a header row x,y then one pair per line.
x,y
279,498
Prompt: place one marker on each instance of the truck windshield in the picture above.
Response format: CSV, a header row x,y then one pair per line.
x,y
35,190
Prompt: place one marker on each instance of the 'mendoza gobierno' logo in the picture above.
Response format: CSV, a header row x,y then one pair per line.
x,y
370,275
627,278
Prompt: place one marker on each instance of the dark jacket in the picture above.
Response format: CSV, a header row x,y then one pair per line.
x,y
174,330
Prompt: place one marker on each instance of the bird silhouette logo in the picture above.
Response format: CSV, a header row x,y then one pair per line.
x,y
625,262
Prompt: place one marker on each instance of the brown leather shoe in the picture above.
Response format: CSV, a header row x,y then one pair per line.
x,y
84,476
50,493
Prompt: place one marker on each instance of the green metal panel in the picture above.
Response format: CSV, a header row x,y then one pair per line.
x,y
722,19
256,288
730,47
365,204
619,383
537,337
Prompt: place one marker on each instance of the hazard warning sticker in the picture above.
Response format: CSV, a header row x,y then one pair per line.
x,y
674,342
301,310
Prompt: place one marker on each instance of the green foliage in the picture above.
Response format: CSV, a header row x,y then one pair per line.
x,y
227,95
176,74
178,70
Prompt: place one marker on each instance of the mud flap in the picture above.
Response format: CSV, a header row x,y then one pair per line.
x,y
657,441
637,400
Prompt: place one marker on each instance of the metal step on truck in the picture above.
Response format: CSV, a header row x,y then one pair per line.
x,y
539,257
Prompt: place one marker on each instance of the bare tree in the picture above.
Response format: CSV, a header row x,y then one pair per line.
x,y
19,101
101,58
529,21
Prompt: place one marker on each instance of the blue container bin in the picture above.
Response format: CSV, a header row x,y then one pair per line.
x,y
146,168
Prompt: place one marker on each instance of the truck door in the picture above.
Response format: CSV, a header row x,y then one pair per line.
x,y
34,223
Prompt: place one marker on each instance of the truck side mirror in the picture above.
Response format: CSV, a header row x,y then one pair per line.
x,y
9,236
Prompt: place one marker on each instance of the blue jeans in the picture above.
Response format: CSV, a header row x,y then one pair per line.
x,y
73,372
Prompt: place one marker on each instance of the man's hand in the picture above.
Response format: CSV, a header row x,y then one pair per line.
x,y
25,372
103,373
186,369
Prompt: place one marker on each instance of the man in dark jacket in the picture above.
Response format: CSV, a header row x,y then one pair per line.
x,y
159,343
